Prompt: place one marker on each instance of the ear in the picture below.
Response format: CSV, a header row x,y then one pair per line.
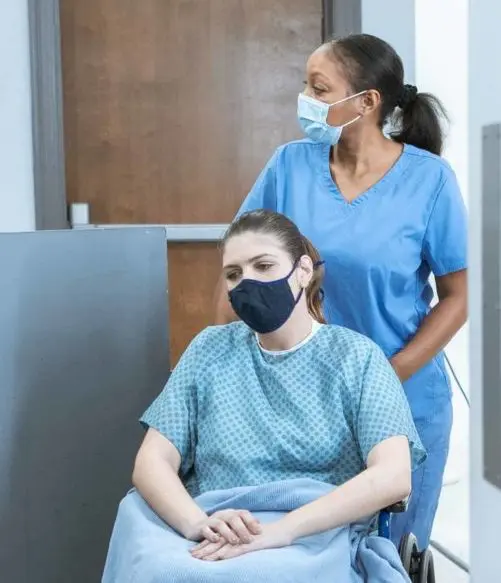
x,y
370,101
305,271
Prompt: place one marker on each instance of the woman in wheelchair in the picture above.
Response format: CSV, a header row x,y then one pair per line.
x,y
276,441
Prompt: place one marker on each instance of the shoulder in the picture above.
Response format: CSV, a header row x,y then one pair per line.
x,y
435,169
357,361
217,341
303,145
287,160
347,347
305,149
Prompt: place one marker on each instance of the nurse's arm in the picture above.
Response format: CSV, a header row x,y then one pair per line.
x,y
156,478
438,328
386,481
224,313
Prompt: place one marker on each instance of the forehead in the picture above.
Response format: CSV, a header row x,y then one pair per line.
x,y
322,64
241,248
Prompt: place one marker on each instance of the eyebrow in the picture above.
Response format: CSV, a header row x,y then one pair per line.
x,y
252,259
319,75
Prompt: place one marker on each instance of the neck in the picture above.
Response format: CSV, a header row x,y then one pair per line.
x,y
295,330
358,150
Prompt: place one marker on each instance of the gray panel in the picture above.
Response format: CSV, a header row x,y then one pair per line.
x,y
341,17
491,284
47,113
83,351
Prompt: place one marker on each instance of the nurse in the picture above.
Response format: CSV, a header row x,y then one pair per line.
x,y
385,212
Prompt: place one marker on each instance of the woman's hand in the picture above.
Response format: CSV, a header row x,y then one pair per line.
x,y
228,527
274,535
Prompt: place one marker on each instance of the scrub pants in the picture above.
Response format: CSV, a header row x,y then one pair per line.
x,y
427,479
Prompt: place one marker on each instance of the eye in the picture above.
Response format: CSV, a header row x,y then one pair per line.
x,y
262,266
318,90
232,275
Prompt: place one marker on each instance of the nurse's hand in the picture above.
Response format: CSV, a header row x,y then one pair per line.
x,y
398,362
274,535
228,527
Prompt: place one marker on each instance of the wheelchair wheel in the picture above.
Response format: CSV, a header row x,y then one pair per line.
x,y
410,556
426,567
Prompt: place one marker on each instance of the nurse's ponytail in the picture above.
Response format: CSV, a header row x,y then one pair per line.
x,y
417,119
296,245
369,62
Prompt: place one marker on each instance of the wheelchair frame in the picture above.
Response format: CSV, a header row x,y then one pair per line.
x,y
418,565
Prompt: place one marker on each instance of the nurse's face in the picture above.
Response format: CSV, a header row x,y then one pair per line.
x,y
261,257
325,81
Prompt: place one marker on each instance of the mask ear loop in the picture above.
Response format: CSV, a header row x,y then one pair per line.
x,y
300,295
359,116
316,265
349,97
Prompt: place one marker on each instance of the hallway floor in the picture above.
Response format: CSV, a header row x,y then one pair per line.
x,y
447,572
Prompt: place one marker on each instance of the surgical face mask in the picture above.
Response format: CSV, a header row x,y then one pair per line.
x,y
312,115
265,306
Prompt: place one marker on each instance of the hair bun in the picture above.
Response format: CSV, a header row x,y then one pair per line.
x,y
408,96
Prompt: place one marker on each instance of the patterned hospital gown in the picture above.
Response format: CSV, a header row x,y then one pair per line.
x,y
240,416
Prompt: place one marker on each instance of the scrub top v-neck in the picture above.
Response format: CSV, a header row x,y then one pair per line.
x,y
379,249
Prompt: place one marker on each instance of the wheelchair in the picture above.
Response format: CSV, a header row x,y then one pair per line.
x,y
418,565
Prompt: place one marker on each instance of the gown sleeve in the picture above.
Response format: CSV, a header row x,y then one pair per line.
x,y
383,410
174,411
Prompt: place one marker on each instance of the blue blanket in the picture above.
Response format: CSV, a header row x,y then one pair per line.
x,y
144,550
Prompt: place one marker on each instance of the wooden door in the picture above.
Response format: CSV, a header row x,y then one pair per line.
x,y
171,109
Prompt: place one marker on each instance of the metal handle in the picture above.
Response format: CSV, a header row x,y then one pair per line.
x,y
202,233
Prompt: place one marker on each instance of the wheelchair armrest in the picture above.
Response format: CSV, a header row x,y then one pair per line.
x,y
397,508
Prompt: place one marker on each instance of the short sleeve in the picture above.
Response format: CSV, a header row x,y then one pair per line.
x,y
383,410
263,194
445,240
174,412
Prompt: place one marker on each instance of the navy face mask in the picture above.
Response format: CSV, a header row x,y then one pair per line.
x,y
264,306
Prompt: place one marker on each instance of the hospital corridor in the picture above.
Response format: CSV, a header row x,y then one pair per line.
x,y
250,291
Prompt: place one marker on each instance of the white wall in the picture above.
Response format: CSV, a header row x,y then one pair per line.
x,y
484,108
393,21
442,68
16,148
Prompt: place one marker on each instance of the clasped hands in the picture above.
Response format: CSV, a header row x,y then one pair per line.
x,y
230,533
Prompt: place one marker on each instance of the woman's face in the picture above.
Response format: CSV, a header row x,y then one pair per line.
x,y
261,257
325,81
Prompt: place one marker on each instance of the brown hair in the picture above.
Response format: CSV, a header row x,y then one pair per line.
x,y
296,245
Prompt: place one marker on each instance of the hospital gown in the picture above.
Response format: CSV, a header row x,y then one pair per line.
x,y
240,416
269,433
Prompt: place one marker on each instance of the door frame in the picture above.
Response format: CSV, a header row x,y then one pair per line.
x,y
51,210
47,115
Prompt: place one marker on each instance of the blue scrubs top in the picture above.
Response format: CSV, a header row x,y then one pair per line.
x,y
380,249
